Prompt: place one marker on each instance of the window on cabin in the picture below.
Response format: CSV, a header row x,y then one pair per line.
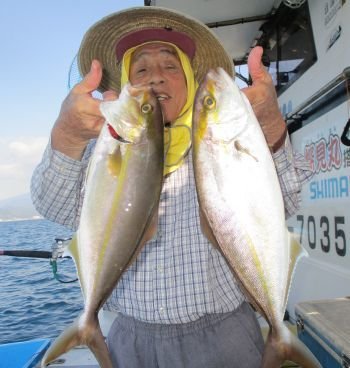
x,y
289,47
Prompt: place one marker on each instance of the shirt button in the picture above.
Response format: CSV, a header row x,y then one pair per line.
x,y
161,309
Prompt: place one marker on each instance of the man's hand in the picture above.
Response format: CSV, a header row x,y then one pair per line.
x,y
80,118
263,98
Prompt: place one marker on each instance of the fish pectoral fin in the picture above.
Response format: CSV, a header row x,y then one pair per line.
x,y
244,150
206,229
115,162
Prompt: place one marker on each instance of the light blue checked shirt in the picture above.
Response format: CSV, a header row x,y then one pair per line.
x,y
178,276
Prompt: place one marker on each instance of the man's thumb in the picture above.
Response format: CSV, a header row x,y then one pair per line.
x,y
91,80
255,66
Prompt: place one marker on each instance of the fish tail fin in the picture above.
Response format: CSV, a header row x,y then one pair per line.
x,y
81,332
98,346
284,346
64,342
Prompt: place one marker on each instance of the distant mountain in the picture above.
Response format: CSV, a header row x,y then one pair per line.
x,y
17,208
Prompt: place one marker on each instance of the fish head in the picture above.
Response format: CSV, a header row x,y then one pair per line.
x,y
219,110
133,115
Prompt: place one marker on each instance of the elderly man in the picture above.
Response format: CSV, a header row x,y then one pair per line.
x,y
179,304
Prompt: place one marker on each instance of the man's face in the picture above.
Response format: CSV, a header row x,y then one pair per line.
x,y
158,66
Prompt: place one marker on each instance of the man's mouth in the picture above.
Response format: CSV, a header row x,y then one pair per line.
x,y
162,97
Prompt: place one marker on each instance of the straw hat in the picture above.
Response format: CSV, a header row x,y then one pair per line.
x,y
106,38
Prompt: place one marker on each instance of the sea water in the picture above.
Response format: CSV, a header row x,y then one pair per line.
x,y
33,304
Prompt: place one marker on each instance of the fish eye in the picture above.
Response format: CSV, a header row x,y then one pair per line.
x,y
209,102
146,108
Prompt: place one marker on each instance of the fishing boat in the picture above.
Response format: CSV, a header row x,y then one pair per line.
x,y
306,51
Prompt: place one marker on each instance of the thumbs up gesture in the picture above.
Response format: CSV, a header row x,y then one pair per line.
x,y
80,118
263,98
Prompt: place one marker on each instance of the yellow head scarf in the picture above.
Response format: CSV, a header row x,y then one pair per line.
x,y
177,137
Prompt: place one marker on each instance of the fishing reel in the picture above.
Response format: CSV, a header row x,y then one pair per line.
x,y
58,247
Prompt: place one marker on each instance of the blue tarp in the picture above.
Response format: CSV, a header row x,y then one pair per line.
x,y
25,354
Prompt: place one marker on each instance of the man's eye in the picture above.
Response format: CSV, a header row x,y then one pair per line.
x,y
172,68
141,70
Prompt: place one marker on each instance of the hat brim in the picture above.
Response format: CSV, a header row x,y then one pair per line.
x,y
101,39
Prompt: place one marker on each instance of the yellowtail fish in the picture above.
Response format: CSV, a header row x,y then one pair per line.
x,y
122,192
242,209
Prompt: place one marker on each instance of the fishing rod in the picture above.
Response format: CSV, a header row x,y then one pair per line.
x,y
26,253
58,251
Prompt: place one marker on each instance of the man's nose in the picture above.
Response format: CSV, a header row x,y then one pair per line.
x,y
156,77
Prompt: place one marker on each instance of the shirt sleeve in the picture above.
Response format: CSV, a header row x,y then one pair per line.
x,y
57,186
293,171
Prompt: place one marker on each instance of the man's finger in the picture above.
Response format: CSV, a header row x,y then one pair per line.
x,y
255,66
110,95
87,107
91,80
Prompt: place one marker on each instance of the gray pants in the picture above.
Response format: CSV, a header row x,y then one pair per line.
x,y
215,341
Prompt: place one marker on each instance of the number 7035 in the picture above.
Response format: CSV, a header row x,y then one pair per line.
x,y
323,231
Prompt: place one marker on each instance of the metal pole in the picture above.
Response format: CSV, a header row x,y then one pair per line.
x,y
344,76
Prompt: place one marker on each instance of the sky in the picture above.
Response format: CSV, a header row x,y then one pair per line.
x,y
38,42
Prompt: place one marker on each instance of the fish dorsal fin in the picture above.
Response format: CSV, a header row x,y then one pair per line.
x,y
72,250
296,252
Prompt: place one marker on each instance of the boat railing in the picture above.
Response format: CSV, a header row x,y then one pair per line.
x,y
328,97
